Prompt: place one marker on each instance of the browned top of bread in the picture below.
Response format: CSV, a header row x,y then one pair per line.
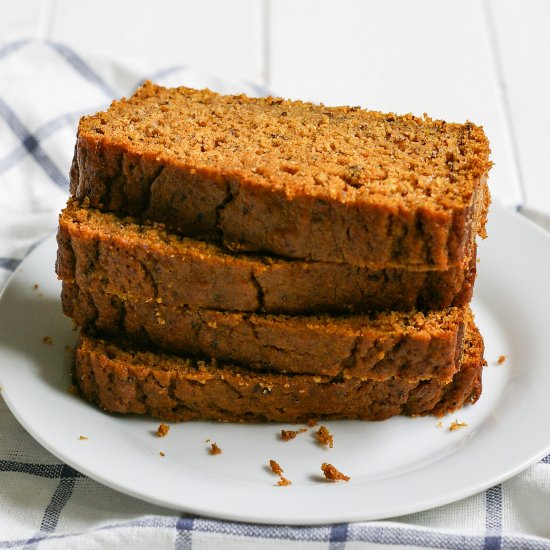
x,y
343,153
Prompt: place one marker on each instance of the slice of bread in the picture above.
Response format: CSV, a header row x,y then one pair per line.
x,y
412,346
99,250
294,179
123,380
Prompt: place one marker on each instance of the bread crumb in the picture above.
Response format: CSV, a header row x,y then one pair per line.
x,y
312,422
214,449
277,470
68,349
161,453
73,389
35,286
501,359
325,437
456,425
82,438
47,340
439,424
332,474
287,435
163,430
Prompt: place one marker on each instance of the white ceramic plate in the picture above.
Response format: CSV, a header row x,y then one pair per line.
x,y
398,466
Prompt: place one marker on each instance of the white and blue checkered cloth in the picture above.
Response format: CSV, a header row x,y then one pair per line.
x,y
44,88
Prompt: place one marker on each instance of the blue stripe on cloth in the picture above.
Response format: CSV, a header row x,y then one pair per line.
x,y
42,133
9,263
153,522
12,47
82,68
33,146
358,533
338,536
259,90
60,498
159,74
184,533
546,459
493,518
250,530
33,542
406,537
41,470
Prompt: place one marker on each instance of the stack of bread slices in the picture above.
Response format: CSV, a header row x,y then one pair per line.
x,y
243,259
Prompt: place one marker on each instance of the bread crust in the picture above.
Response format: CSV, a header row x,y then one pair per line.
x,y
176,389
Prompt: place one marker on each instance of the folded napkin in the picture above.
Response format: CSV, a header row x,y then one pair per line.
x,y
44,88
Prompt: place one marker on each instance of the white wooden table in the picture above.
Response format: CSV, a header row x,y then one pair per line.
x,y
483,60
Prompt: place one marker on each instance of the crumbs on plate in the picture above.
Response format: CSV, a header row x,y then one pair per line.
x,y
214,449
325,437
287,435
277,470
47,340
457,425
332,474
163,430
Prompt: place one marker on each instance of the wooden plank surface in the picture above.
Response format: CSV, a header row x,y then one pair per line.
x,y
214,36
523,42
484,60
